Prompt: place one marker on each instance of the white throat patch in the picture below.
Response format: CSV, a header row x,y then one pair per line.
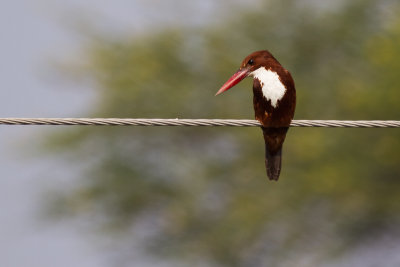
x,y
272,87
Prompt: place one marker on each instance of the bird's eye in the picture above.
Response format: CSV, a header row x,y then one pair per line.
x,y
250,62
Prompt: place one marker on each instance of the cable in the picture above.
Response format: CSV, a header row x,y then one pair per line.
x,y
193,122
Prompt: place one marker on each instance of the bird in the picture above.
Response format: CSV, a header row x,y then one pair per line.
x,y
274,100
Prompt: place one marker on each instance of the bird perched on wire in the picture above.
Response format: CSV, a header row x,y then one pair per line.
x,y
274,102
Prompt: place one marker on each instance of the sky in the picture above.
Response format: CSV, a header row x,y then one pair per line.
x,y
30,39
35,35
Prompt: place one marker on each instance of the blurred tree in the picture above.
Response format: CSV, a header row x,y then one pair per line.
x,y
201,194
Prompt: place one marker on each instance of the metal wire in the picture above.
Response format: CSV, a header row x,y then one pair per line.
x,y
193,122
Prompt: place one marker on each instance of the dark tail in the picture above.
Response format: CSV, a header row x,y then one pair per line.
x,y
273,163
274,138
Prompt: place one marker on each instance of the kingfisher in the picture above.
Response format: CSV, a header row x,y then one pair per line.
x,y
274,100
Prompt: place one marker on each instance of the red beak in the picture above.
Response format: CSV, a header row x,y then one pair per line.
x,y
235,79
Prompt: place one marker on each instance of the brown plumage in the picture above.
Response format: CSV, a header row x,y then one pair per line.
x,y
274,103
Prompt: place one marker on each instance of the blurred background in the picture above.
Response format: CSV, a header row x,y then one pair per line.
x,y
174,196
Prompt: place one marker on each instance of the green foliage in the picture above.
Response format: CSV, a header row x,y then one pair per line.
x,y
204,191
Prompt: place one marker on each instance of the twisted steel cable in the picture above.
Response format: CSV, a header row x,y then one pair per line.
x,y
195,122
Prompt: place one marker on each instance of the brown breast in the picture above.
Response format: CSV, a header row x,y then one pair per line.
x,y
282,114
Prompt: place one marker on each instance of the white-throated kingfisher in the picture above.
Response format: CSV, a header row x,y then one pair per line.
x,y
274,102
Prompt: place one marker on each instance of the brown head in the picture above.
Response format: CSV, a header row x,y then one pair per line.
x,y
251,63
